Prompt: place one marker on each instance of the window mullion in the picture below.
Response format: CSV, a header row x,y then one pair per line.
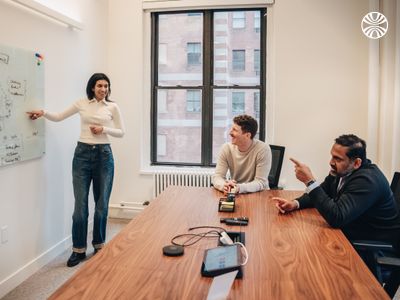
x,y
154,82
207,114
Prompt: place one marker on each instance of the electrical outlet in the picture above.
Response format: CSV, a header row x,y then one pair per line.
x,y
4,234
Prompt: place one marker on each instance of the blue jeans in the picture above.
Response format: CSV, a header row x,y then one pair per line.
x,y
91,163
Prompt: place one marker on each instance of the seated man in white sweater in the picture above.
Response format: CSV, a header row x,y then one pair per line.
x,y
247,160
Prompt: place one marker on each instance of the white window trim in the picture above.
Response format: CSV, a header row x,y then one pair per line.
x,y
167,5
145,133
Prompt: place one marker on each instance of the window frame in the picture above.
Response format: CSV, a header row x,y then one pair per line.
x,y
208,85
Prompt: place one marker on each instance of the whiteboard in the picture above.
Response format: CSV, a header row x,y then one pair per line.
x,y
21,90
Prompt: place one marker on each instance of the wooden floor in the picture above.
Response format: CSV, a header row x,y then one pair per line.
x,y
293,256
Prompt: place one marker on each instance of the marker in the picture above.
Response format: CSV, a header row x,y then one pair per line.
x,y
40,58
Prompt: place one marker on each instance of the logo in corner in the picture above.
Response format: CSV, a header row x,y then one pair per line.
x,y
374,25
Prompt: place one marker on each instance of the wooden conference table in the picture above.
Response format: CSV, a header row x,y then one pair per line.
x,y
293,256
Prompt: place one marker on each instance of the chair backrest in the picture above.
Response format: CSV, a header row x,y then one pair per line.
x,y
277,159
395,187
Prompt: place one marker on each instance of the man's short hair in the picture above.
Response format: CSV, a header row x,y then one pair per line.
x,y
247,124
357,148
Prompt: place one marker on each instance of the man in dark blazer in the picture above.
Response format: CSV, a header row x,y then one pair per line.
x,y
355,196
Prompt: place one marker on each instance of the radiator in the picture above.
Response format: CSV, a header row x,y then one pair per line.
x,y
165,178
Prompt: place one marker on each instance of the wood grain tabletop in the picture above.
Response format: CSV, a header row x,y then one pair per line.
x,y
291,256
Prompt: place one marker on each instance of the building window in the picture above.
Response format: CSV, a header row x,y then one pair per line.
x,y
257,61
162,101
256,104
193,108
193,53
257,21
237,103
238,60
193,101
238,19
162,54
162,145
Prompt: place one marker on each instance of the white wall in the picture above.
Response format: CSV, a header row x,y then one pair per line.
x,y
320,72
126,64
36,196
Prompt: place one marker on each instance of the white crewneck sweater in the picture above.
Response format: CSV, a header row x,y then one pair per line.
x,y
250,169
93,112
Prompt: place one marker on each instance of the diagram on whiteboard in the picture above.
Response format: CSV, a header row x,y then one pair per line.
x,y
21,90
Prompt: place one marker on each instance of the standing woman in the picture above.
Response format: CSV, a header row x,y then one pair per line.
x,y
93,161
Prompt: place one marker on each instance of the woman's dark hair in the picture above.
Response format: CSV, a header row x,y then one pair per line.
x,y
247,124
92,82
357,147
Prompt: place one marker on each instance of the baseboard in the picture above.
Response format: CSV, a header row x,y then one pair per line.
x,y
23,273
19,276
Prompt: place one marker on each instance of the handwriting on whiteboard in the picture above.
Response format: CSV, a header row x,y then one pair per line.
x,y
21,90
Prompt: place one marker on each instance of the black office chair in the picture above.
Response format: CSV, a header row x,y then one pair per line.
x,y
381,256
277,159
392,264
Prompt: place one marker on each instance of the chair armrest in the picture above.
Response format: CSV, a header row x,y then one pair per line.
x,y
371,245
389,261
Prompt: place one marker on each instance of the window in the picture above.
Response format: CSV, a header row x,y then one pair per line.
x,y
162,145
256,21
238,60
256,104
238,19
257,61
237,103
162,101
162,54
193,101
202,83
193,53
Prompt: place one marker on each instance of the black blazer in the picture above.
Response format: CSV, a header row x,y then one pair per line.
x,y
364,207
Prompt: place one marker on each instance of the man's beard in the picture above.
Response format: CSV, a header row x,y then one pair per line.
x,y
334,172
